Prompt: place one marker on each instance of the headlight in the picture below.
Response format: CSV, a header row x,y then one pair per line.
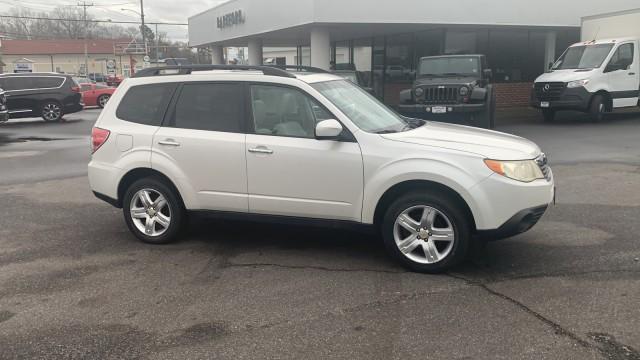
x,y
522,170
418,91
577,83
464,91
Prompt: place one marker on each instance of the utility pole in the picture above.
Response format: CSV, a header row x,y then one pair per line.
x,y
157,45
144,37
86,34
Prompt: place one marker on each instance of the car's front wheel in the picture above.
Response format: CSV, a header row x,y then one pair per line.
x,y
51,111
548,115
102,100
426,232
152,211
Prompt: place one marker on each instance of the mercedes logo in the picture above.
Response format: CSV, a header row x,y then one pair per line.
x,y
546,87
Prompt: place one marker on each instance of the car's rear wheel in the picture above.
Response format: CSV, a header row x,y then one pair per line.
x,y
51,111
102,100
426,232
152,211
548,115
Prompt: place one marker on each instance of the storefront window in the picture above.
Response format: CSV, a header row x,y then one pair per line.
x,y
460,42
399,66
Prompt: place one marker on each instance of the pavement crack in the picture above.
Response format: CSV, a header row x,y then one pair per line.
x,y
311,267
557,328
563,274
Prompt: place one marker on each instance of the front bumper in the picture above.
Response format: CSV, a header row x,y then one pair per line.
x,y
517,224
570,99
427,109
4,116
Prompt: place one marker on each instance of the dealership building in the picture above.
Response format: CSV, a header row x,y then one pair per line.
x,y
385,39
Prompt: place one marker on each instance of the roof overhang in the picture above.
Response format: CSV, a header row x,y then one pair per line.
x,y
288,22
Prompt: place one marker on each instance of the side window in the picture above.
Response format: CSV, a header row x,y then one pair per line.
x,y
19,83
47,82
283,111
145,104
623,57
212,107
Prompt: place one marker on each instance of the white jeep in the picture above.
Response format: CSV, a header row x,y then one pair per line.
x,y
274,144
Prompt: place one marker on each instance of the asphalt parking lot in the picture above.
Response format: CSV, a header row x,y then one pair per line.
x,y
74,283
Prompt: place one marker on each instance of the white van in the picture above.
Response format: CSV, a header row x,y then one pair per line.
x,y
595,76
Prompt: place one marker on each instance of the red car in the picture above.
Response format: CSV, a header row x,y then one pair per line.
x,y
96,95
114,80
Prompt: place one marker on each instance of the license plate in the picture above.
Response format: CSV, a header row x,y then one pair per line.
x,y
439,109
544,104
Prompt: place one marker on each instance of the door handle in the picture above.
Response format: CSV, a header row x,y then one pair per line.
x,y
260,150
169,142
632,73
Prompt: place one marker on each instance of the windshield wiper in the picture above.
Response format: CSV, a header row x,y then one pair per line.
x,y
453,74
386,131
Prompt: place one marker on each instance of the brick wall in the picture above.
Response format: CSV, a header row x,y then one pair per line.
x,y
512,94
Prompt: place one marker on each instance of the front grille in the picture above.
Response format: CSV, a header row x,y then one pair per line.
x,y
441,95
549,90
544,166
3,101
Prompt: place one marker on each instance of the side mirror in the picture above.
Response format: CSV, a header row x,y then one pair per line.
x,y
488,74
328,130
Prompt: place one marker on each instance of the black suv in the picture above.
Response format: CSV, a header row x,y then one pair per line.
x,y
452,85
49,95
4,113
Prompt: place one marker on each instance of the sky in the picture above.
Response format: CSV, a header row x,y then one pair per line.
x,y
155,11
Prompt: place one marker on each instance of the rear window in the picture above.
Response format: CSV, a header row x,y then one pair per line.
x,y
145,104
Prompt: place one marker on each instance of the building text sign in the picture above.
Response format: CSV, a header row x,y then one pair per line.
x,y
231,19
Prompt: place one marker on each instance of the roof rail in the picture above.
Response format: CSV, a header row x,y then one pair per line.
x,y
299,68
188,69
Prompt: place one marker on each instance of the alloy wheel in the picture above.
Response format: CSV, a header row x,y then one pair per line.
x,y
424,234
51,112
150,212
102,101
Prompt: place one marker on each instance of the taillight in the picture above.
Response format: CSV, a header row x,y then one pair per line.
x,y
75,89
98,137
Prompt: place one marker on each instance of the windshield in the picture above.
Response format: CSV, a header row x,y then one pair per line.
x,y
583,57
449,66
363,109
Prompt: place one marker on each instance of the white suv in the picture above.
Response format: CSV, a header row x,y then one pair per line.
x,y
270,143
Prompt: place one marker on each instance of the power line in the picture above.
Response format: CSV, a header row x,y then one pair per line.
x,y
92,20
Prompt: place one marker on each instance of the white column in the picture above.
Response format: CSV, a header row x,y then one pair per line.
x,y
255,52
320,48
217,56
549,49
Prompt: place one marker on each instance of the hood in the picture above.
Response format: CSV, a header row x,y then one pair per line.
x,y
446,80
565,75
487,143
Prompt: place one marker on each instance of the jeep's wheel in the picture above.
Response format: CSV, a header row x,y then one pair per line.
x,y
152,211
548,115
51,111
597,109
426,232
487,118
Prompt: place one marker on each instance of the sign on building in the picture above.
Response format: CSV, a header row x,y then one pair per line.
x,y
22,67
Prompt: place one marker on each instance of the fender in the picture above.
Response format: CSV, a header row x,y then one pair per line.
x,y
457,178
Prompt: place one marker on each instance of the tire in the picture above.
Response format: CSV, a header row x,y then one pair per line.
x,y
102,100
548,115
487,118
449,221
172,212
51,111
597,108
